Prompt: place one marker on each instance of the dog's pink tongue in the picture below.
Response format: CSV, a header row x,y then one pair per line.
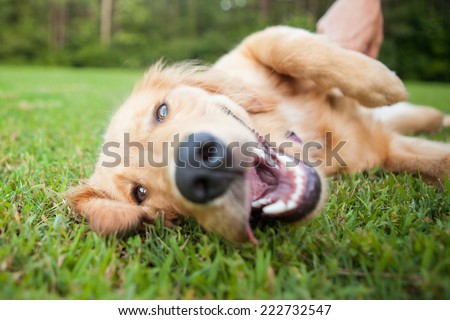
x,y
251,236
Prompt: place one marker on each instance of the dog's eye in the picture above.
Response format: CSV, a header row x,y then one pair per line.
x,y
161,112
139,194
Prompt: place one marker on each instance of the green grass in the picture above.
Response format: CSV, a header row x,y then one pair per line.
x,y
380,235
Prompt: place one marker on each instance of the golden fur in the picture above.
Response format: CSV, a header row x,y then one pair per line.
x,y
276,80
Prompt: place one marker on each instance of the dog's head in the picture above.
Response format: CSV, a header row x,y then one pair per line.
x,y
184,143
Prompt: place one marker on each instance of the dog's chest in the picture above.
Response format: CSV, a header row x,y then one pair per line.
x,y
302,116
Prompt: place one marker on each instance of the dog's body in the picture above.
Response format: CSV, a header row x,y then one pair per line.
x,y
282,82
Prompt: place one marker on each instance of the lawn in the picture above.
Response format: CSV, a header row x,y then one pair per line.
x,y
381,236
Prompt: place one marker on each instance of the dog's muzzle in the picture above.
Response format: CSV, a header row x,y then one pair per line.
x,y
204,168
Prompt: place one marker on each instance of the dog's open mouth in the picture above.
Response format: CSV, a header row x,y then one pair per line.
x,y
282,187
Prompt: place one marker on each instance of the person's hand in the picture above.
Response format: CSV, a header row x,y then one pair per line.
x,y
355,25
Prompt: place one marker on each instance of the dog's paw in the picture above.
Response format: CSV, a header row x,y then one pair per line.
x,y
446,121
440,174
383,87
445,166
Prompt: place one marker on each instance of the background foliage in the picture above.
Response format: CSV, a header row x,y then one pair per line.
x,y
134,33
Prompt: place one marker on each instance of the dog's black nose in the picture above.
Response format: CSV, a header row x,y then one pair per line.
x,y
205,168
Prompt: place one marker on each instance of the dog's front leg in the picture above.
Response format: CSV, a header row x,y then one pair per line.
x,y
303,55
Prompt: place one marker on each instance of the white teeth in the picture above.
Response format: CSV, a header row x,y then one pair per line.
x,y
256,204
299,185
274,208
299,173
297,193
291,204
281,206
261,202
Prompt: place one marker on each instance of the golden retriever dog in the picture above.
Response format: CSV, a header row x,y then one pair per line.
x,y
252,137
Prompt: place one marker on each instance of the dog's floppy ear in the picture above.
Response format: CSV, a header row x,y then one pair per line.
x,y
217,82
105,215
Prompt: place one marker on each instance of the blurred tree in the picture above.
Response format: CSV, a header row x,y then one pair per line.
x,y
135,33
417,38
106,22
57,19
264,8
